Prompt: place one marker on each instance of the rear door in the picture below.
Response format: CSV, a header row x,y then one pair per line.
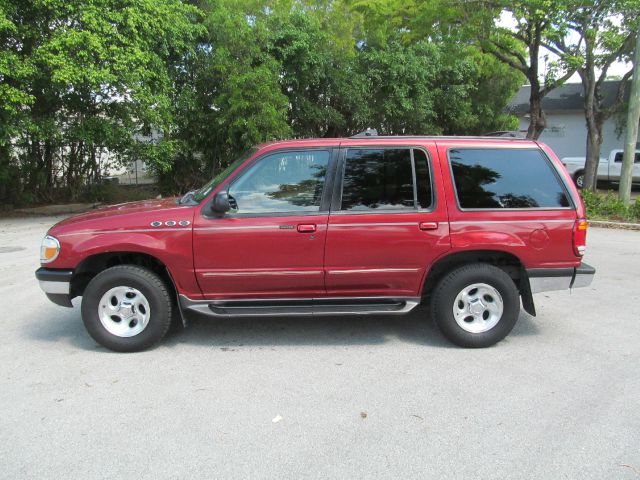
x,y
388,221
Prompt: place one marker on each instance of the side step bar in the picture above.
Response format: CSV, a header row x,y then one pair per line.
x,y
300,307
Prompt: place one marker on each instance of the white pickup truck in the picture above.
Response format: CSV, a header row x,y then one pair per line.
x,y
608,168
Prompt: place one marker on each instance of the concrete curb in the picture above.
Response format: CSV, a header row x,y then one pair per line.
x,y
618,225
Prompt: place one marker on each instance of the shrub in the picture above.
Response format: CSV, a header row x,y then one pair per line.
x,y
608,206
110,193
634,209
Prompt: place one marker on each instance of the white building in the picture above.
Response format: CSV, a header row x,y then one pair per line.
x,y
566,131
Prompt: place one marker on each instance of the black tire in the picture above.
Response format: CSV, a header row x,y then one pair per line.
x,y
154,292
578,179
453,283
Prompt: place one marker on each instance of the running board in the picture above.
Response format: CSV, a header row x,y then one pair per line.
x,y
300,307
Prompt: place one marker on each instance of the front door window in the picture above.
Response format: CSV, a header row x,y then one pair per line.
x,y
285,182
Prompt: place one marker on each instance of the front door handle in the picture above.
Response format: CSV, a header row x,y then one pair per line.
x,y
307,228
428,225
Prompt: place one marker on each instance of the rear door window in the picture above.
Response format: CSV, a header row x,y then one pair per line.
x,y
506,178
386,179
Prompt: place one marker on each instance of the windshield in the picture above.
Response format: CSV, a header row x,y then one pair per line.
x,y
200,194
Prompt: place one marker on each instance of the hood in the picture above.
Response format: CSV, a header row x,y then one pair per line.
x,y
122,209
129,213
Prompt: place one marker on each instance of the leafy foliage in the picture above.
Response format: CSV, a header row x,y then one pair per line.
x,y
605,32
609,206
82,82
188,85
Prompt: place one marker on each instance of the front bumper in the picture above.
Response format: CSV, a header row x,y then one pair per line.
x,y
548,279
56,284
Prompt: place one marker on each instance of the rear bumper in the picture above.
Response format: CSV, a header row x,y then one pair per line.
x,y
548,279
56,284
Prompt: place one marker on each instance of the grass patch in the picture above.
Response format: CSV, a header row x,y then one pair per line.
x,y
609,207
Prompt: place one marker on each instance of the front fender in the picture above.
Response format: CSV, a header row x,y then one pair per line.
x,y
171,248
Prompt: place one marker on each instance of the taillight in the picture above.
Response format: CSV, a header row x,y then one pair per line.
x,y
580,236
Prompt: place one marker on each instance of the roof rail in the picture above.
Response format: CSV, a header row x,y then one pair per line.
x,y
369,132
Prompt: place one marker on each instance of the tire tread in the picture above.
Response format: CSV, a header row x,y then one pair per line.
x,y
158,285
447,324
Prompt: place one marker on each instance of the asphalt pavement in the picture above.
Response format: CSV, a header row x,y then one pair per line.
x,y
330,397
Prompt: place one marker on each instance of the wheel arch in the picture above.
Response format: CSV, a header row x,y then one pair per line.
x,y
506,261
90,266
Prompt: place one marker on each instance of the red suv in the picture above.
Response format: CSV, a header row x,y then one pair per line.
x,y
360,225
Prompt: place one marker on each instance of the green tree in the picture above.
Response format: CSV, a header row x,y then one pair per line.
x,y
400,81
318,73
470,88
521,44
89,77
188,85
227,95
604,33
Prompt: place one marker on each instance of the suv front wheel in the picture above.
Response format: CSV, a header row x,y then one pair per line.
x,y
126,308
476,305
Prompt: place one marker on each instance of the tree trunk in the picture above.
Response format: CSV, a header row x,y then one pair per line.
x,y
5,171
538,119
633,115
48,165
594,144
594,126
71,167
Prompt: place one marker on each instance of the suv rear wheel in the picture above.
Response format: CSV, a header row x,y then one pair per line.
x,y
126,308
476,305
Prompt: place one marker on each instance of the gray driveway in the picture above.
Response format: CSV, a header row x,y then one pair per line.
x,y
359,397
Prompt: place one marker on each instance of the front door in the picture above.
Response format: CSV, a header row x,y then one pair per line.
x,y
386,227
271,243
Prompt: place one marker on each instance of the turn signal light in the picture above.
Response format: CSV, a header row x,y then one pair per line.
x,y
49,249
580,236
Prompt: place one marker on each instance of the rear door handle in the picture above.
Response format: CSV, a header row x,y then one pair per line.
x,y
428,225
307,228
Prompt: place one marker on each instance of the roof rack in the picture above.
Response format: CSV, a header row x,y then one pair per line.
x,y
373,133
369,132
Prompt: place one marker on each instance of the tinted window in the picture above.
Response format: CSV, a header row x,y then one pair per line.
x,y
423,179
282,182
619,155
504,178
200,195
381,179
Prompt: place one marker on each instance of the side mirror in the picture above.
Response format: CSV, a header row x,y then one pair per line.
x,y
220,204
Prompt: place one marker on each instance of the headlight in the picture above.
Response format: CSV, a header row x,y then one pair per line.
x,y
49,249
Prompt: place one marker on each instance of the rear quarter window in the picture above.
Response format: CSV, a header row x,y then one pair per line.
x,y
505,178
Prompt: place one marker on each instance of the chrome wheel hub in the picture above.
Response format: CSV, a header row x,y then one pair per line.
x,y
124,311
478,308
